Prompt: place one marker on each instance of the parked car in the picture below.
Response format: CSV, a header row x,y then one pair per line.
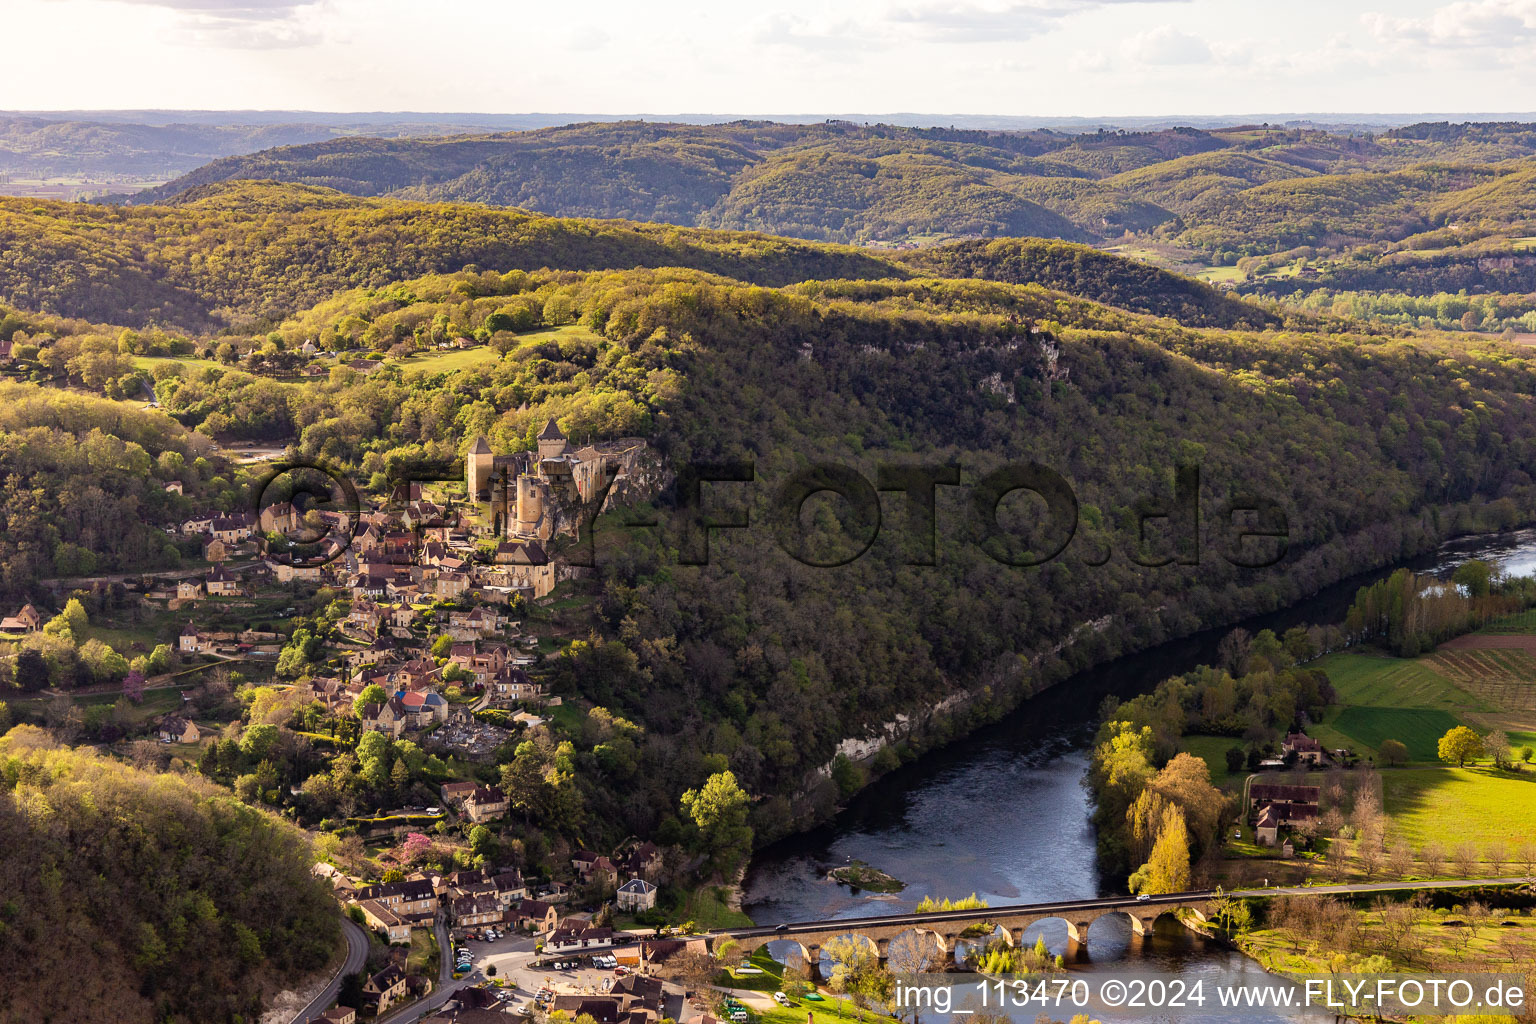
x,y
781,998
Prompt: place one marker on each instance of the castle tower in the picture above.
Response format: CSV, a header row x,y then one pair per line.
x,y
551,441
530,506
478,465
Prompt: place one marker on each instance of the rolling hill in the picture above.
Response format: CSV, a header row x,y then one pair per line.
x,y
1228,192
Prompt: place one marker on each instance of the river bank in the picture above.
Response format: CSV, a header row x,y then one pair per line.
x,y
1002,812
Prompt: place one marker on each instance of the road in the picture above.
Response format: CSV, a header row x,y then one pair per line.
x,y
441,992
1101,903
357,954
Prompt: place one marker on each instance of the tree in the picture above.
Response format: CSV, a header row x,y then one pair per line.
x,y
31,670
1496,746
257,741
133,686
1476,576
1167,870
373,693
856,970
1235,760
1460,745
482,841
1393,752
719,811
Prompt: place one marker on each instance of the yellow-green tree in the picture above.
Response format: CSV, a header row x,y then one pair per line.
x,y
1459,745
1167,870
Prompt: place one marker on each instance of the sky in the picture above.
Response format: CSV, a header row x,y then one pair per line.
x,y
1007,57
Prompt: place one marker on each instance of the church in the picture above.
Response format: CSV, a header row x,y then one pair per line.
x,y
540,495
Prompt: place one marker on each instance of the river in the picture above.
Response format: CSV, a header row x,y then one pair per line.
x,y
1004,814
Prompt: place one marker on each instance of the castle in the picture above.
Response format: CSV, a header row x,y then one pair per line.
x,y
538,495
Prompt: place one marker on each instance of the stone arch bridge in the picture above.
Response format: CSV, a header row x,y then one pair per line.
x,y
948,927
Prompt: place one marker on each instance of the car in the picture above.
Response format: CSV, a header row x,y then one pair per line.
x,y
1143,898
781,998
782,928
434,810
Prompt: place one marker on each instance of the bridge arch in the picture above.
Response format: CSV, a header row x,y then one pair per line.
x,y
916,950
824,957
791,952
1060,934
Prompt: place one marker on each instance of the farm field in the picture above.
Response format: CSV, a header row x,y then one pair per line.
x,y
1366,728
1376,680
1454,805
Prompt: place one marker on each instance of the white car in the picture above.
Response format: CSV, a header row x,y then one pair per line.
x,y
781,998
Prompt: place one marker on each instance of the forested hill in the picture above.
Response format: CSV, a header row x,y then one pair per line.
x,y
1081,270
253,251
146,899
1228,192
245,254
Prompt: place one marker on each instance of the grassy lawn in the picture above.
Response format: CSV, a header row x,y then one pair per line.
x,y
423,957
1446,943
1213,751
830,1007
706,907
448,360
192,363
566,715
771,980
1455,805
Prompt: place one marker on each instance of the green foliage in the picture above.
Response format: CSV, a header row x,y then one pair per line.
x,y
153,873
719,812
1460,745
928,905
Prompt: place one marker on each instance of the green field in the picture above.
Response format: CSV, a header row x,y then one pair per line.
x,y
1213,751
1376,680
1382,698
190,362
452,359
1419,729
1455,805
461,358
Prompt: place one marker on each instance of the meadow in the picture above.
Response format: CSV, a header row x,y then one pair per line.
x,y
1452,805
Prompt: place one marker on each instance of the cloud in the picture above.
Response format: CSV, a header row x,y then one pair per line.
x,y
242,24
1166,45
1467,24
818,36
961,22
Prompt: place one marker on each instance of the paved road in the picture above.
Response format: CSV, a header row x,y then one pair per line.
x,y
441,992
1101,903
357,954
